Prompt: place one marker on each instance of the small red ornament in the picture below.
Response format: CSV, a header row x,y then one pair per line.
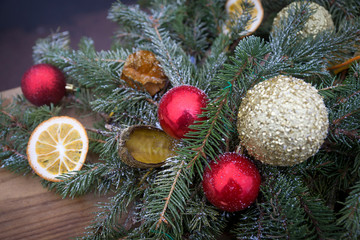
x,y
232,184
179,108
43,84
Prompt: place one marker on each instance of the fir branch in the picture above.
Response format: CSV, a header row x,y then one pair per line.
x,y
78,183
97,131
344,120
250,225
162,214
8,149
125,38
80,99
94,71
171,57
14,120
57,41
109,150
211,132
203,221
254,56
14,161
166,200
305,54
17,121
320,217
219,104
33,116
128,106
288,212
341,10
350,214
212,64
106,224
166,12
193,33
98,177
185,37
216,12
109,60
344,114
132,19
98,70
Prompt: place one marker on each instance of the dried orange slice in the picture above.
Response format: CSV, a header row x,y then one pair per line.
x,y
235,8
56,146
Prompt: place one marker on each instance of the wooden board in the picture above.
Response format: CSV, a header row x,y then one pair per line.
x,y
29,211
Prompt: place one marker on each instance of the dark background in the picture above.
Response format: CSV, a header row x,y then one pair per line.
x,y
22,22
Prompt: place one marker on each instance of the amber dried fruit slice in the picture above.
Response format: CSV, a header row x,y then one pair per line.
x,y
142,70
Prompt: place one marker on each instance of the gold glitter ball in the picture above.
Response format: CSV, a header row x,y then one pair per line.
x,y
320,19
282,121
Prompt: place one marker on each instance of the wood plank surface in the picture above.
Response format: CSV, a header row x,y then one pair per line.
x,y
28,211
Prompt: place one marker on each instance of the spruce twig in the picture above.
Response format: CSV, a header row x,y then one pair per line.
x,y
162,214
187,38
9,149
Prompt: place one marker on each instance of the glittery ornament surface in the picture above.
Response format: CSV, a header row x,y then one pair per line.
x,y
282,121
319,20
232,184
43,84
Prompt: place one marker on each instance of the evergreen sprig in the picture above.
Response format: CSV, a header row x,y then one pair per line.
x,y
350,213
17,121
165,201
187,37
203,221
106,223
288,212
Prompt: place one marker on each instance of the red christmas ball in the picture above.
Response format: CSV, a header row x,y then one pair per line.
x,y
232,184
179,108
43,84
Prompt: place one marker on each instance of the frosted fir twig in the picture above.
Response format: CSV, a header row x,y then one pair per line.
x,y
14,119
223,101
170,60
162,214
8,149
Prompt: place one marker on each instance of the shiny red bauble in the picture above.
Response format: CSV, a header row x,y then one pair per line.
x,y
43,84
179,108
232,184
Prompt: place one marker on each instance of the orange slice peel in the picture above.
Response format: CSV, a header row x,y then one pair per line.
x,y
343,66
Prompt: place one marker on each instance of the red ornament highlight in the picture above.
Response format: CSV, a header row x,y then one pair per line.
x,y
43,84
232,184
179,108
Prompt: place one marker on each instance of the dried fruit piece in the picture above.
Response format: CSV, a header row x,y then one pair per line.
x,y
145,146
142,70
56,146
235,9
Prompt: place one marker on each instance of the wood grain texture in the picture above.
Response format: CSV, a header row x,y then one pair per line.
x,y
29,211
